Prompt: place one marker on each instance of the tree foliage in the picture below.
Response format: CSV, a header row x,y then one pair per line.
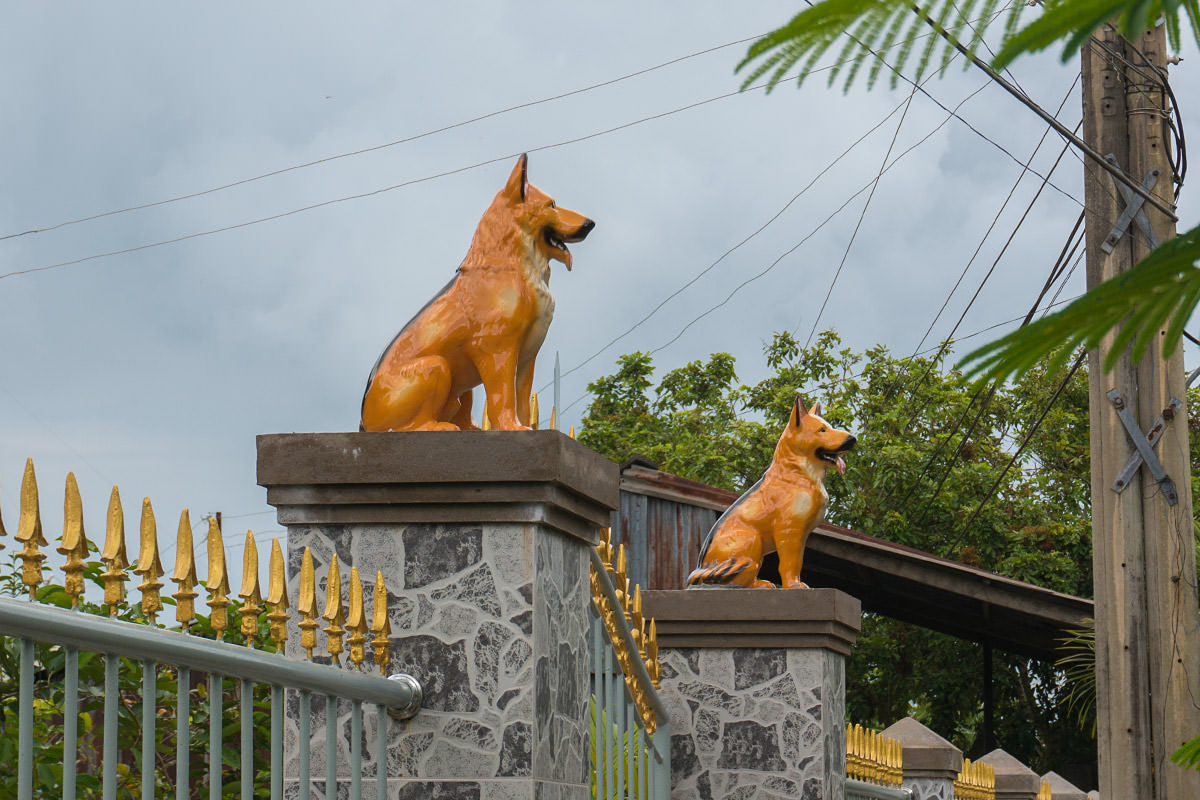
x,y
922,467
1164,286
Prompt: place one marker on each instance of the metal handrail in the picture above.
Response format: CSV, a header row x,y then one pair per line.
x,y
640,673
862,789
401,693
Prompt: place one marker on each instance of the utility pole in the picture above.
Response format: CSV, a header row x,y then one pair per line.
x,y
1144,559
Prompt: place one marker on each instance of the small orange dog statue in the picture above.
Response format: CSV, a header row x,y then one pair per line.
x,y
780,511
486,326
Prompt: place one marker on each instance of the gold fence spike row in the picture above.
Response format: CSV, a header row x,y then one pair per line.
x,y
251,594
381,626
74,541
29,532
534,411
184,574
356,620
484,422
605,547
218,581
149,566
114,555
306,604
277,599
553,418
334,612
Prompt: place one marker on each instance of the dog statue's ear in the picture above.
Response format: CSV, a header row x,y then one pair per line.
x,y
816,408
515,188
799,412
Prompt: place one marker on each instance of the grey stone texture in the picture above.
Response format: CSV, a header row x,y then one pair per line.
x,y
766,723
493,620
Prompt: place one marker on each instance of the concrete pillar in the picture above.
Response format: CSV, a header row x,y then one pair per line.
x,y
754,682
1062,789
1014,780
930,762
483,539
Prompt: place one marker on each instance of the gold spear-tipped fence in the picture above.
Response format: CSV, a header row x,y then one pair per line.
x,y
75,547
644,632
873,757
977,781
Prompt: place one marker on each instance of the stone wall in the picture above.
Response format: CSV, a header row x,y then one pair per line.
x,y
755,722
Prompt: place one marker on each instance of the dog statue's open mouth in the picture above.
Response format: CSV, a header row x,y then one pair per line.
x,y
558,248
835,456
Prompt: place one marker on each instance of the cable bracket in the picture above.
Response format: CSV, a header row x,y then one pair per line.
x,y
1134,210
1144,444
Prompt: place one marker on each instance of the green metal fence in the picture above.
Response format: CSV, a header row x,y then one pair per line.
x,y
110,696
630,733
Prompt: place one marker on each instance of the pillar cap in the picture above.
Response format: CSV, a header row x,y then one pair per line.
x,y
1061,788
1013,779
786,618
462,477
926,755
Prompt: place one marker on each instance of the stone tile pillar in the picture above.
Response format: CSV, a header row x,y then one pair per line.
x,y
1062,789
483,539
1014,780
930,762
754,682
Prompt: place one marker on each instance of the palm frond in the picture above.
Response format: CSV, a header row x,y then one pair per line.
x,y
1163,286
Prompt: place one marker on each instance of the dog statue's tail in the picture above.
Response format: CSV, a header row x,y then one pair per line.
x,y
720,574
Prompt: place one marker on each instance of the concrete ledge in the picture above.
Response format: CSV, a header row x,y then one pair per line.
x,y
467,477
927,756
787,618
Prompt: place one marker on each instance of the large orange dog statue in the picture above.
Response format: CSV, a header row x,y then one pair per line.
x,y
485,326
780,511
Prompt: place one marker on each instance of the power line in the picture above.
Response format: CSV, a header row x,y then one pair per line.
x,y
446,173
373,148
773,264
1028,436
903,104
862,215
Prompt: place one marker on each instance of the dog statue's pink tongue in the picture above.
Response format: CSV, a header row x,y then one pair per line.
x,y
841,466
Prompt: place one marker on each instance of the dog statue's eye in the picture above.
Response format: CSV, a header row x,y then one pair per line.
x,y
823,429
552,204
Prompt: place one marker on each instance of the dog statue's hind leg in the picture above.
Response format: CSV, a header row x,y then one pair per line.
x,y
409,397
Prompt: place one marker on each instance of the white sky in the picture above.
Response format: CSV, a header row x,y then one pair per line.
x,y
156,369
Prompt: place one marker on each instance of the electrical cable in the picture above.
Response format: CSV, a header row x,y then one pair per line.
x,y
861,216
486,162
373,148
1028,436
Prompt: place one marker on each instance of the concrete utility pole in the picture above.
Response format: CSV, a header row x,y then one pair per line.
x,y
1147,647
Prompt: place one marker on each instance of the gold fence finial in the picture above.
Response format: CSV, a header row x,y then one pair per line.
x,y
638,621
218,581
485,424
74,542
277,598
3,532
381,626
149,566
572,432
29,531
251,594
306,604
653,666
334,612
184,574
114,555
553,418
534,411
356,620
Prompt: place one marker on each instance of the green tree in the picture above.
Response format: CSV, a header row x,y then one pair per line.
x,y
922,469
1163,288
